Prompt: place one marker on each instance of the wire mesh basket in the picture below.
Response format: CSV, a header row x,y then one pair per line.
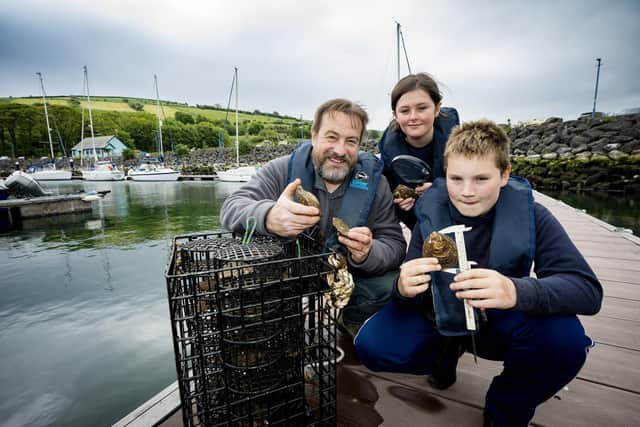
x,y
254,341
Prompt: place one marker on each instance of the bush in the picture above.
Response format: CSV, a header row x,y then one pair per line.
x,y
185,118
182,149
244,147
138,106
128,154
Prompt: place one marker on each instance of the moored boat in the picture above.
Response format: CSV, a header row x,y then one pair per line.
x,y
48,172
103,170
239,174
155,169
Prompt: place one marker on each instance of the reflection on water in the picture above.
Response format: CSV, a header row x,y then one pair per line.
x,y
134,212
84,330
621,211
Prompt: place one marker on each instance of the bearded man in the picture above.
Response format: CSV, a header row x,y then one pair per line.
x,y
349,184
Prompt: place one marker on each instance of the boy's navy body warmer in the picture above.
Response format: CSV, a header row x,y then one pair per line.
x,y
511,250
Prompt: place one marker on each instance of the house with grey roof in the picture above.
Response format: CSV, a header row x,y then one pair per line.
x,y
107,147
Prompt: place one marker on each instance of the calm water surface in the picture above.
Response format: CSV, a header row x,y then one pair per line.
x,y
618,210
84,324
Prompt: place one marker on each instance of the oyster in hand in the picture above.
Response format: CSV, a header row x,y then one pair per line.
x,y
307,198
340,225
403,192
442,247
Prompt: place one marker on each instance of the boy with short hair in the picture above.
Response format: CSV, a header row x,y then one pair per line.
x,y
531,322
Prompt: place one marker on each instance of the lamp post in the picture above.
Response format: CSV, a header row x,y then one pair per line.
x,y
595,96
301,128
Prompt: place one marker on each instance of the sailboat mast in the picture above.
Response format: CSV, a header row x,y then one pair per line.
x,y
93,140
400,38
82,131
237,141
155,79
398,49
46,115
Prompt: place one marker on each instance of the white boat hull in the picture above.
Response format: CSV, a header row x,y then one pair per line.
x,y
158,174
51,175
103,171
241,174
101,175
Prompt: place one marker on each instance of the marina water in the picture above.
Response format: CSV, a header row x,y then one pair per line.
x,y
85,336
84,323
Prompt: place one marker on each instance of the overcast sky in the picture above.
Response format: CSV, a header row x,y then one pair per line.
x,y
493,59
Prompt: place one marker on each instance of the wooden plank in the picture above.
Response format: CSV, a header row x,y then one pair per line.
x,y
616,332
621,309
9,203
613,366
587,402
607,251
605,271
153,410
620,290
622,264
174,420
393,403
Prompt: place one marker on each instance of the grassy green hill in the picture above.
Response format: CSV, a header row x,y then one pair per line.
x,y
23,130
120,104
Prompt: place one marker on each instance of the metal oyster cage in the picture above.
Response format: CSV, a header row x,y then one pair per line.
x,y
254,341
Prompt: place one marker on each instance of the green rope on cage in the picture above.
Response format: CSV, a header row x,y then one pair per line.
x,y
298,250
249,229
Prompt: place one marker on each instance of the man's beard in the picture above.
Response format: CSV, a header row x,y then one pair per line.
x,y
332,173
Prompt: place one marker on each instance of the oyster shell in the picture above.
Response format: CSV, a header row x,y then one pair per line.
x,y
340,282
340,225
403,192
307,198
442,247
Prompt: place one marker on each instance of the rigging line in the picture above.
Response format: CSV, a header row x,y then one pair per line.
x,y
55,127
226,117
159,135
55,124
168,128
404,48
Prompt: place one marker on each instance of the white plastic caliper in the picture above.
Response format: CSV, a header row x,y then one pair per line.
x,y
463,265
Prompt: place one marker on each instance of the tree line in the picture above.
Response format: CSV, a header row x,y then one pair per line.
x,y
23,130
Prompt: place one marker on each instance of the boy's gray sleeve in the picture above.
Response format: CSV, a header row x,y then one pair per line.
x,y
256,197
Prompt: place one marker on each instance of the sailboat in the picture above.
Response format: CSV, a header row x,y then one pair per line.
x,y
239,173
49,172
102,170
155,169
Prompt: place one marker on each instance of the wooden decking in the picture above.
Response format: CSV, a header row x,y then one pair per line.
x,y
605,393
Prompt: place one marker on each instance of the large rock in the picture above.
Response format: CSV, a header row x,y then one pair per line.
x,y
615,154
580,148
578,140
